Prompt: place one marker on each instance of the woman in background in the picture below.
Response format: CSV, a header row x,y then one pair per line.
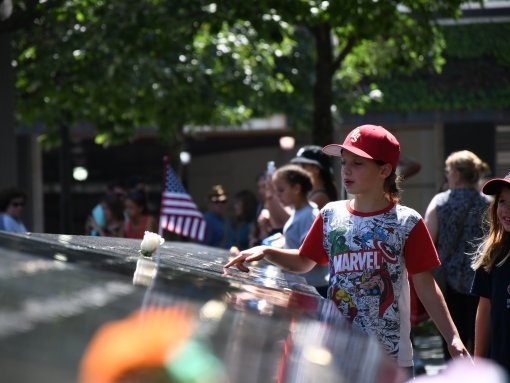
x,y
454,219
138,220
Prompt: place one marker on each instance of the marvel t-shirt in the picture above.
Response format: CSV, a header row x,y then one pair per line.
x,y
369,257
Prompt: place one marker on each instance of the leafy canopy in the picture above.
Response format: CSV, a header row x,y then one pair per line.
x,y
123,64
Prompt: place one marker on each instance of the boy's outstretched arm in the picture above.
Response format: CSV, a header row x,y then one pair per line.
x,y
432,298
288,259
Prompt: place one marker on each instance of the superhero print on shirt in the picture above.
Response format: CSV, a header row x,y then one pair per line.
x,y
377,234
367,268
337,240
378,283
375,283
343,300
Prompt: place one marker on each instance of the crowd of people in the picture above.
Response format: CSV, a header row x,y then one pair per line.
x,y
123,211
372,256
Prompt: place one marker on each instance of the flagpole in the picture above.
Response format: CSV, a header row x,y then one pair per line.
x,y
165,163
160,226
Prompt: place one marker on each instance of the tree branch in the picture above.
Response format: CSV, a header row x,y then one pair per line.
x,y
341,56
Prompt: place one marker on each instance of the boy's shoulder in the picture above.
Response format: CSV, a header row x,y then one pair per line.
x,y
406,212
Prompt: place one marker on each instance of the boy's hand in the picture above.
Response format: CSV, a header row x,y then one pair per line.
x,y
254,254
457,349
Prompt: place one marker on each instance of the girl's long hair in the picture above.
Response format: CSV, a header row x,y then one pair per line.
x,y
494,249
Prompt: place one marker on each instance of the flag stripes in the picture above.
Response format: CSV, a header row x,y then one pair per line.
x,y
179,214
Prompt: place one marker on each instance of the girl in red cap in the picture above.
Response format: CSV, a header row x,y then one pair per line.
x,y
371,244
492,278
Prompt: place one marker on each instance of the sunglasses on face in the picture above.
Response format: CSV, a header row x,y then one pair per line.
x,y
17,204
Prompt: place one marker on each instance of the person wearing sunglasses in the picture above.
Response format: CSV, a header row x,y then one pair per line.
x,y
12,201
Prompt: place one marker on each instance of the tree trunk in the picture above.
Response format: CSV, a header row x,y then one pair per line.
x,y
322,133
8,152
66,214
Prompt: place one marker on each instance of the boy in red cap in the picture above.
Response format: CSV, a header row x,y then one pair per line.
x,y
371,244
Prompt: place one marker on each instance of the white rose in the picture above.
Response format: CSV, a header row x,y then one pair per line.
x,y
150,243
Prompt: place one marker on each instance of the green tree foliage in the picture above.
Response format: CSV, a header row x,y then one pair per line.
x,y
354,40
123,64
126,64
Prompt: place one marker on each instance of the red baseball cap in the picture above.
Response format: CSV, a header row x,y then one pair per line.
x,y
493,186
369,141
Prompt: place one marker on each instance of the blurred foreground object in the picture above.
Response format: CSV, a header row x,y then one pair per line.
x,y
144,340
154,344
463,370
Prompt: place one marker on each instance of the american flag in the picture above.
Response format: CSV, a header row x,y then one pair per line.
x,y
179,214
